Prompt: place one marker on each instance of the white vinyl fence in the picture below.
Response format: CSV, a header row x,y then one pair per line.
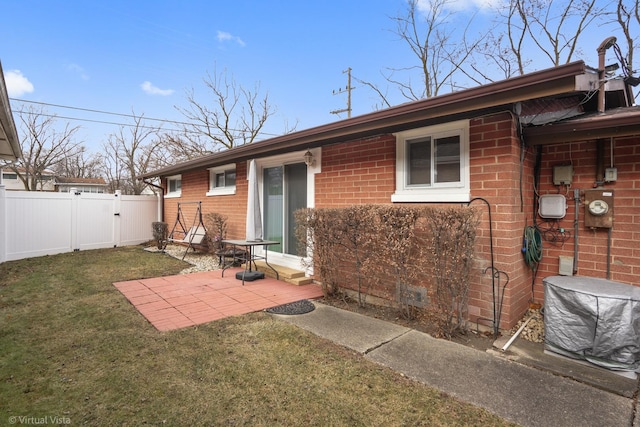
x,y
40,223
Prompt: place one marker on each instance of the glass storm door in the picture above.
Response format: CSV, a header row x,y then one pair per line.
x,y
285,191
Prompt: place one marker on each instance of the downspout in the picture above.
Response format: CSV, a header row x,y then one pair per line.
x,y
161,188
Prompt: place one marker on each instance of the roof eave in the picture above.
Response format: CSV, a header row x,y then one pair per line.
x,y
9,142
465,103
616,123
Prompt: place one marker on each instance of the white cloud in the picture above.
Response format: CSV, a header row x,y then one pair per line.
x,y
149,88
223,37
79,70
17,83
462,5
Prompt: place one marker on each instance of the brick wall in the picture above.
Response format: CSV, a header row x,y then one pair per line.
x,y
357,172
502,173
496,151
592,243
194,188
363,171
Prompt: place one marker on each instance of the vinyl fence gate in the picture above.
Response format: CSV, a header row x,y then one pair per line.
x,y
41,223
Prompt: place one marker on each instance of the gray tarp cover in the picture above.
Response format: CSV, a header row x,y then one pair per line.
x,y
593,319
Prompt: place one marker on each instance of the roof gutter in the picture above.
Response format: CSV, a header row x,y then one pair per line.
x,y
456,105
8,133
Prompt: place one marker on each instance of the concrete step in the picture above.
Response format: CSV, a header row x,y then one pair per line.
x,y
286,274
300,281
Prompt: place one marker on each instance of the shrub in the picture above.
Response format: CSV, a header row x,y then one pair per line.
x,y
216,226
399,253
160,233
396,250
314,231
451,242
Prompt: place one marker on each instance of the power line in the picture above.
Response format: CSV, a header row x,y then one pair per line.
x,y
110,123
119,115
100,111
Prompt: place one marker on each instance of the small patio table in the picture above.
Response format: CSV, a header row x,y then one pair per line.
x,y
249,256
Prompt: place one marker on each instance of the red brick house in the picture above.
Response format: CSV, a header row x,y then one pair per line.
x,y
504,143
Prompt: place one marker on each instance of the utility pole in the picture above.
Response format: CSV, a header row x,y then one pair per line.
x,y
347,89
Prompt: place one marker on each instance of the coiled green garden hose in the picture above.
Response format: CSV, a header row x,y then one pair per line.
x,y
532,251
532,246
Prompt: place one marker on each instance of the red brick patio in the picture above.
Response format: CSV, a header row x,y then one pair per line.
x,y
174,302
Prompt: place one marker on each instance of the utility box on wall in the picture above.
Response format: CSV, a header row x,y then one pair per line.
x,y
598,208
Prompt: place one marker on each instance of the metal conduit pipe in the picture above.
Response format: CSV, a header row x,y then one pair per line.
x,y
609,254
576,227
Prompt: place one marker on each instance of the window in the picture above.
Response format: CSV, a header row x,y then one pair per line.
x,y
174,186
222,180
10,175
432,164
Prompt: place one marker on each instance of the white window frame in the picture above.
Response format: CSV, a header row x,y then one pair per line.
x,y
434,192
171,194
225,190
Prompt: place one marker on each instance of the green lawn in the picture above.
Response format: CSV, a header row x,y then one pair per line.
x,y
72,347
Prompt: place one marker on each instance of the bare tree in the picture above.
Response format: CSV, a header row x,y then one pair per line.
x,y
627,17
46,143
130,152
186,145
495,59
237,116
425,29
80,165
441,51
547,27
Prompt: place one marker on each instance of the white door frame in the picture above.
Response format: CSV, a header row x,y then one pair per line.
x,y
287,260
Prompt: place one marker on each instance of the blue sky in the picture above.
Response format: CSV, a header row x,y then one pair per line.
x,y
142,56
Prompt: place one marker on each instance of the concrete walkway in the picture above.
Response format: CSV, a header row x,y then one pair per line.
x,y
523,394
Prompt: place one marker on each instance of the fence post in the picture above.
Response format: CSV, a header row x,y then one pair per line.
x,y
117,238
3,222
74,195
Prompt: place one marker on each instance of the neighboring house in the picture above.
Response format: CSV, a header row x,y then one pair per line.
x,y
50,182
83,185
12,181
510,144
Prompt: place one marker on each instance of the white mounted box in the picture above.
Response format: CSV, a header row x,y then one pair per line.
x,y
565,267
611,174
552,206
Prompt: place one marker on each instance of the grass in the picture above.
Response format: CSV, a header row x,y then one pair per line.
x,y
72,347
